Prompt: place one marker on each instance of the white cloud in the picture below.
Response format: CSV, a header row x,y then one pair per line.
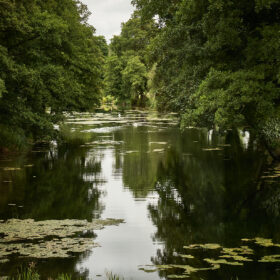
x,y
107,15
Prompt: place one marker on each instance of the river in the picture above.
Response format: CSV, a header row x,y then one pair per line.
x,y
212,193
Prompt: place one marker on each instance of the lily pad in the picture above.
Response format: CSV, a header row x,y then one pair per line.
x,y
208,246
188,269
247,239
236,258
243,250
48,239
264,242
174,276
187,256
148,270
222,261
271,258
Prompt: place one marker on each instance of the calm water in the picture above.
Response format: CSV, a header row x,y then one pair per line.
x,y
167,186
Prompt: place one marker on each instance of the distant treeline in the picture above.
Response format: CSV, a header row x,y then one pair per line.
x,y
215,62
50,62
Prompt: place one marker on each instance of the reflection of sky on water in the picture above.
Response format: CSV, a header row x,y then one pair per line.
x,y
129,245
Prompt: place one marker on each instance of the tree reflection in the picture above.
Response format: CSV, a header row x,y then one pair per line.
x,y
61,185
139,164
209,196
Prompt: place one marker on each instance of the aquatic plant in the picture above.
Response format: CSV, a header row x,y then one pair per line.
x,y
48,239
64,277
227,256
208,246
28,273
111,276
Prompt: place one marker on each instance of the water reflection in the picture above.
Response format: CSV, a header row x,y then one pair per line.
x,y
210,197
58,185
173,189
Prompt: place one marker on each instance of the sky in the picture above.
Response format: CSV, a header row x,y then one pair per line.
x,y
107,15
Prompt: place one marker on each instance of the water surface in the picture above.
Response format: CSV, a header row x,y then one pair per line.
x,y
172,188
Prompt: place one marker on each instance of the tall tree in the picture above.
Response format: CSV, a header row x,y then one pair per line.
x,y
128,61
49,59
134,80
218,62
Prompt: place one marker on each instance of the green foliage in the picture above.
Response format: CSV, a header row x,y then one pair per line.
x,y
73,138
31,274
49,58
111,276
64,277
113,76
135,36
151,94
12,138
134,80
217,61
2,87
128,62
109,103
103,45
27,274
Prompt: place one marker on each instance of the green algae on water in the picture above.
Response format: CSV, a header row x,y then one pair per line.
x,y
187,268
270,259
228,256
174,276
186,256
48,239
222,261
236,258
243,250
265,242
148,270
208,246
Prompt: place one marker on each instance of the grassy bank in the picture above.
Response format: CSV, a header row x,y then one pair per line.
x,y
30,273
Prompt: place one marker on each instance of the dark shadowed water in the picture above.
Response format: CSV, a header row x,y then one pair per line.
x,y
172,188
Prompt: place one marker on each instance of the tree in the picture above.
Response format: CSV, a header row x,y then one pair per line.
x,y
50,59
127,65
103,45
218,62
135,37
113,76
134,79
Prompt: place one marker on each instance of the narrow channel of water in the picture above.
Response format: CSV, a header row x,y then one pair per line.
x,y
172,188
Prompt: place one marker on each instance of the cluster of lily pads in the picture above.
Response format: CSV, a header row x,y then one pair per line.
x,y
48,239
228,256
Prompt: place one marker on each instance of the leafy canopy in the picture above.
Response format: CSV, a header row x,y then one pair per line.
x,y
218,62
50,62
